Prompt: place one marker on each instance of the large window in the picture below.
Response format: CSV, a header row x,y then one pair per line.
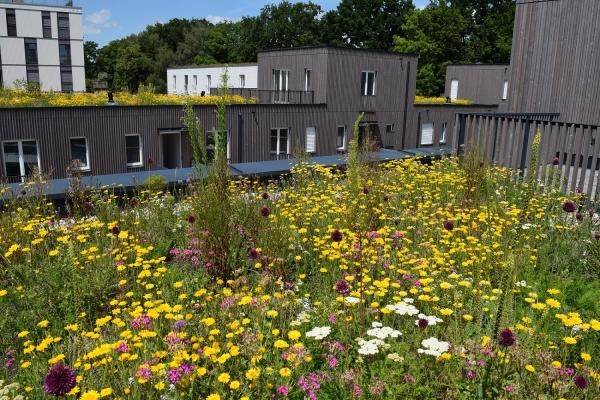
x,y
31,55
307,80
46,25
21,158
427,134
281,80
340,142
64,52
367,83
11,23
185,83
280,144
80,152
66,79
133,147
311,140
63,26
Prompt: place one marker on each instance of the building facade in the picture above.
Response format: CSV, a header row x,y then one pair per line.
x,y
196,80
42,43
480,83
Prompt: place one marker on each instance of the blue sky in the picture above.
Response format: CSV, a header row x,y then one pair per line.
x,y
105,20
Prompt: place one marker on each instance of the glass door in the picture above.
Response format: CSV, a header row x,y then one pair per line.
x,y
21,159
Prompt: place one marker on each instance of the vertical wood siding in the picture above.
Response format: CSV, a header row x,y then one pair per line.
x,y
482,84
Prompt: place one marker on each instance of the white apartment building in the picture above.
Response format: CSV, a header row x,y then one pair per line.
x,y
42,41
195,80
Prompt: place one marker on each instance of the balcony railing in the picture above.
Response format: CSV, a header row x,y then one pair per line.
x,y
271,96
282,156
55,3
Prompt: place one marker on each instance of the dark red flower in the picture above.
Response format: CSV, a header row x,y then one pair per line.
x,y
87,206
252,254
265,196
366,190
556,161
59,380
342,287
449,225
423,323
597,236
133,202
336,236
191,219
507,338
569,206
115,230
265,212
579,216
581,382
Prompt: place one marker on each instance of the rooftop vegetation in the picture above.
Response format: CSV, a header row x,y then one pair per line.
x,y
441,100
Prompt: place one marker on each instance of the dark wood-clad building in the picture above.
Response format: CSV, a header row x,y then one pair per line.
x,y
480,83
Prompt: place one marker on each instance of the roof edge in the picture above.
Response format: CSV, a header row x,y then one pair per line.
x,y
333,47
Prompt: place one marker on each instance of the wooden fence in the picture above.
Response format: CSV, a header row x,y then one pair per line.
x,y
507,139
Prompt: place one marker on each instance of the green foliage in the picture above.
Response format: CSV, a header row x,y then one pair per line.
x,y
155,183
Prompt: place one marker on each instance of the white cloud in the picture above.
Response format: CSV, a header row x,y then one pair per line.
x,y
215,19
97,21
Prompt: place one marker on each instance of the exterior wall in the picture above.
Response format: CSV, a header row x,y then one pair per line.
x,y
29,25
482,84
438,115
250,71
555,61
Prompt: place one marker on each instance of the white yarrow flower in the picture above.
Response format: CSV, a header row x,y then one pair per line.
x,y
319,332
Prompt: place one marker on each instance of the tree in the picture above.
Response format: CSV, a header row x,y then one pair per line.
x,y
90,52
439,35
366,23
132,67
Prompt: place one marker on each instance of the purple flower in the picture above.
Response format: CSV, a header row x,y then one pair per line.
x,y
422,323
115,230
191,219
449,225
556,161
581,382
366,190
265,196
336,236
342,287
179,325
283,390
252,254
133,202
597,236
470,374
122,348
569,206
264,211
506,338
59,380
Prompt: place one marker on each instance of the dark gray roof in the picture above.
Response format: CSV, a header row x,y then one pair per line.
x,y
56,188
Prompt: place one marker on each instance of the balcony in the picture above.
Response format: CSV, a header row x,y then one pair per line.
x,y
53,3
271,96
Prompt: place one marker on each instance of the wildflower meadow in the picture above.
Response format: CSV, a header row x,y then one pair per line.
x,y
409,279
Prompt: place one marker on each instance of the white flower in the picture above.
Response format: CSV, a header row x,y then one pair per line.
x,y
376,324
403,308
384,332
352,300
395,357
369,347
431,319
319,332
433,347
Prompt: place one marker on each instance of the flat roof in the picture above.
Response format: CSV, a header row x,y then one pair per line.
x,y
478,65
213,66
32,4
333,47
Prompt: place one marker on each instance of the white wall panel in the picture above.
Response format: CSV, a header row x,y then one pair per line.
x,y
3,28
13,50
50,78
48,52
77,57
76,26
29,23
78,79
249,71
12,73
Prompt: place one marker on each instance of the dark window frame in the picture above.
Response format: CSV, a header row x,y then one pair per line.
x,y
368,83
63,25
82,167
140,151
30,45
65,61
11,23
46,25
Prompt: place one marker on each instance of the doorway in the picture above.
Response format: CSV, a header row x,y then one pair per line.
x,y
370,130
171,149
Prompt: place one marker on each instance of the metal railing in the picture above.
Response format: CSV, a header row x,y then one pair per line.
x,y
281,156
271,96
507,139
55,3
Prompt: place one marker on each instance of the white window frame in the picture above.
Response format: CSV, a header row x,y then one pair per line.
x,y
242,81
344,138
87,153
421,141
208,82
21,158
391,131
454,83
175,83
281,90
141,162
443,133
195,87
365,89
505,90
307,79
278,150
313,130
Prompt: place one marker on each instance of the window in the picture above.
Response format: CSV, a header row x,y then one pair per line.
x,y
195,82
280,144
242,81
340,141
46,25
66,79
311,140
389,129
64,52
280,85
185,83
307,80
454,89
11,23
31,56
79,151
427,134
367,83
63,26
175,83
33,74
208,82
133,147
443,135
505,91
21,158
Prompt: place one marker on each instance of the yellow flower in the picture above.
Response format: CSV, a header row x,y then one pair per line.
x,y
280,344
43,324
556,364
586,356
285,372
53,253
3,293
22,334
214,396
234,385
467,317
106,392
553,303
530,368
553,291
570,340
252,374
294,335
224,377
91,395
446,311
